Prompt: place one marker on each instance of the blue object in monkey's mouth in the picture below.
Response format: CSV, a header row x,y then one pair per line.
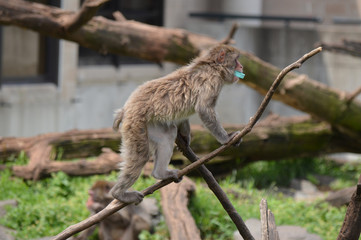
x,y
239,74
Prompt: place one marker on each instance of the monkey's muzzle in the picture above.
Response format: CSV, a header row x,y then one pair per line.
x,y
239,74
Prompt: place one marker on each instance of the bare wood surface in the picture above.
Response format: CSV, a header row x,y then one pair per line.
x,y
175,198
268,223
116,205
351,227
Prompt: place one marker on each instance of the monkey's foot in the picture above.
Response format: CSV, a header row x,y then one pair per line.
x,y
232,135
129,197
169,174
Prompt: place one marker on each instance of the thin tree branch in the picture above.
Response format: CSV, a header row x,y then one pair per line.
x,y
229,38
119,16
86,12
115,205
216,189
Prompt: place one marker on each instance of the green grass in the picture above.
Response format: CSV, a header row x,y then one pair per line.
x,y
266,174
48,206
211,218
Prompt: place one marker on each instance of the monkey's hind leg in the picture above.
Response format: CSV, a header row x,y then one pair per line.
x,y
162,137
135,153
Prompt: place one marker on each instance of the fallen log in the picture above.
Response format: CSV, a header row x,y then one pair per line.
x,y
273,138
174,201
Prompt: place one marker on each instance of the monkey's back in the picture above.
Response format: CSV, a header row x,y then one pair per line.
x,y
161,100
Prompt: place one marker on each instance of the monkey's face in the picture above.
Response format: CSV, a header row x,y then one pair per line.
x,y
233,65
99,193
228,57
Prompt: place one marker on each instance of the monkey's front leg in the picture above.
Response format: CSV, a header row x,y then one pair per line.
x,y
210,119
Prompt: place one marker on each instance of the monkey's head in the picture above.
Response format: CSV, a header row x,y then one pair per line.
x,y
99,193
226,57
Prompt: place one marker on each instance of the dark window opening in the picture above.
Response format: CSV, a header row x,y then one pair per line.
x,y
28,57
146,11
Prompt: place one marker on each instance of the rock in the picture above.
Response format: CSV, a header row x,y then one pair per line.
x,y
303,185
285,232
295,233
4,203
305,190
6,233
254,226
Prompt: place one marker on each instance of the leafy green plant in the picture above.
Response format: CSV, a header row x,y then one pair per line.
x,y
48,206
214,223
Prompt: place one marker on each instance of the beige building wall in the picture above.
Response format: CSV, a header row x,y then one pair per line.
x,y
326,9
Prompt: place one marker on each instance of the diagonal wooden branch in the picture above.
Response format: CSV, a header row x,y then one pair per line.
x,y
116,205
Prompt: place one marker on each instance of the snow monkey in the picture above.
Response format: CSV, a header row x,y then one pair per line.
x,y
159,108
124,224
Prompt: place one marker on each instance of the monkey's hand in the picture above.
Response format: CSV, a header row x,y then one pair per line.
x,y
231,136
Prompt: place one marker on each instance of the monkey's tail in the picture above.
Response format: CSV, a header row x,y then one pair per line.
x,y
118,117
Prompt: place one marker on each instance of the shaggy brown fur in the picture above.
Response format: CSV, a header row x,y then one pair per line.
x,y
153,112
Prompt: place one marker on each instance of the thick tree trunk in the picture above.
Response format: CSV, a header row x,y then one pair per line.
x,y
351,229
273,138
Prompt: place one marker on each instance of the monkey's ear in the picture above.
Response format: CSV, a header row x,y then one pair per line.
x,y
221,56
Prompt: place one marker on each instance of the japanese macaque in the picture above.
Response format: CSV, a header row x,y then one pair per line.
x,y
157,110
125,224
